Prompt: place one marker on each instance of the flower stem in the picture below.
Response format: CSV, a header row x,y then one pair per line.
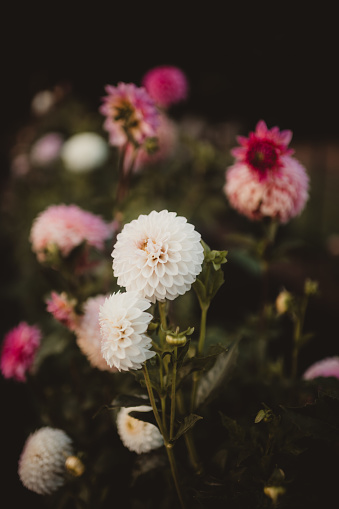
x,y
174,381
201,344
195,461
163,321
163,431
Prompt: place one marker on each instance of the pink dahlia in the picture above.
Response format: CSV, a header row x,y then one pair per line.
x,y
166,84
130,114
62,308
328,367
88,333
18,351
266,181
64,227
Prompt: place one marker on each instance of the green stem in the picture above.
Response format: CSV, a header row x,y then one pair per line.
x,y
298,327
195,461
163,322
202,335
163,431
174,381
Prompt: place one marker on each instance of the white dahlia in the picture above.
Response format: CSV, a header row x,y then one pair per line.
x,y
138,436
42,461
123,323
159,255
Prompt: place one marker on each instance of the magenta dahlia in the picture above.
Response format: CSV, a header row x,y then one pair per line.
x,y
166,84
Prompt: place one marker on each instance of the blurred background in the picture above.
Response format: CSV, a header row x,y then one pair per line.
x,y
244,62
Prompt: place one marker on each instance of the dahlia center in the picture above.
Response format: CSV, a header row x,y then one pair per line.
x,y
125,112
153,249
262,155
132,424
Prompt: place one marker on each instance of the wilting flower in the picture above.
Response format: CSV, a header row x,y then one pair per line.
x,y
88,335
266,181
138,436
42,461
166,84
62,308
130,114
167,137
84,152
46,149
64,227
328,367
123,323
18,351
159,256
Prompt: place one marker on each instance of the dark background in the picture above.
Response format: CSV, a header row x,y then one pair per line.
x,y
244,61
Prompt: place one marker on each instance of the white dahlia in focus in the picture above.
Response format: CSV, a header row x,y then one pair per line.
x,y
123,323
159,256
42,461
138,436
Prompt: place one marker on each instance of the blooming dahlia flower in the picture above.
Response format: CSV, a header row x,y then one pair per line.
x,y
328,367
42,461
123,323
265,179
62,308
88,333
138,436
18,351
166,84
159,256
130,114
65,227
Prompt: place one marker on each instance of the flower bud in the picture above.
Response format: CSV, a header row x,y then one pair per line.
x,y
74,466
310,287
283,302
174,339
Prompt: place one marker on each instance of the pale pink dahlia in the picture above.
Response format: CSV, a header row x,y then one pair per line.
x,y
62,308
328,367
266,181
166,84
130,114
123,326
42,461
18,351
159,256
88,335
64,227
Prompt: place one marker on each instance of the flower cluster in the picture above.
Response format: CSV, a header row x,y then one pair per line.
x,y
18,351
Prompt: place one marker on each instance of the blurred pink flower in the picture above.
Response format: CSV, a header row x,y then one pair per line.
x,y
62,308
130,114
18,351
266,181
167,137
88,333
328,367
66,226
166,84
46,149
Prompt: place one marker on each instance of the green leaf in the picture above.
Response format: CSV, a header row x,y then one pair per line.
x,y
188,422
200,290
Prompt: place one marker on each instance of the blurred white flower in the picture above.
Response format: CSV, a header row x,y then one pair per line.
x,y
138,436
42,102
42,461
123,323
84,152
88,333
159,256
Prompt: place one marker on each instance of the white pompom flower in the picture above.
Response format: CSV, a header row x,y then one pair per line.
x,y
123,323
158,255
138,436
42,461
84,152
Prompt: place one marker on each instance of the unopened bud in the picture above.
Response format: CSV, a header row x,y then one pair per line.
x,y
74,466
274,492
311,287
283,302
175,340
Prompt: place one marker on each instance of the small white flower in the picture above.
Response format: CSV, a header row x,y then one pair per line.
x,y
159,256
123,323
138,436
42,461
84,152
